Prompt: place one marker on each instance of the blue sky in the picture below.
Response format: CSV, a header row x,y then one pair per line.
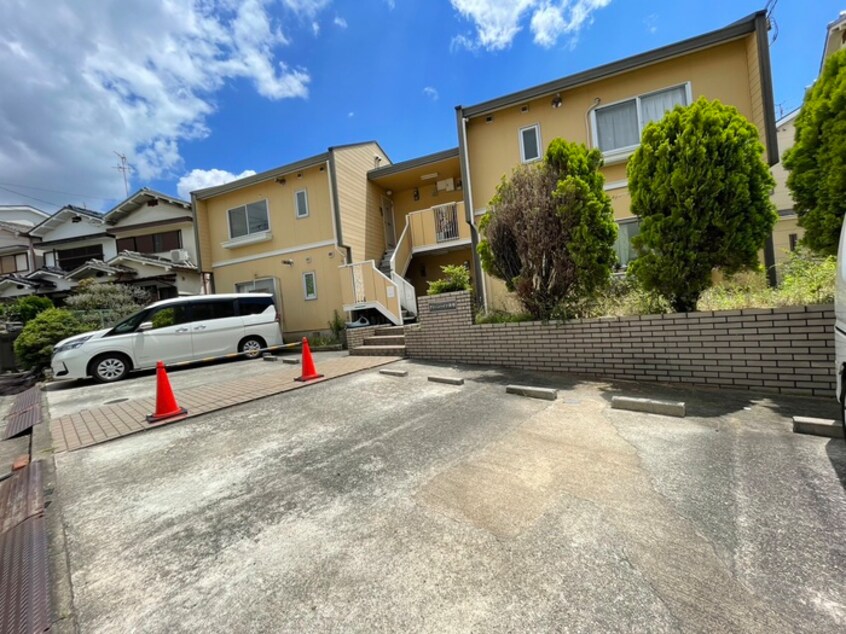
x,y
202,92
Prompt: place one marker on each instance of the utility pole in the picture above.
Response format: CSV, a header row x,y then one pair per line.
x,y
123,167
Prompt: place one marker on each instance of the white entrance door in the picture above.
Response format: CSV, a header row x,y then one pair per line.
x,y
388,217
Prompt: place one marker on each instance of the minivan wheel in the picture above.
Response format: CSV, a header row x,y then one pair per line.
x,y
108,368
251,347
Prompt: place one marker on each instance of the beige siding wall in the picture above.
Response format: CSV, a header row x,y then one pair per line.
x,y
300,316
721,72
362,227
286,229
203,235
755,88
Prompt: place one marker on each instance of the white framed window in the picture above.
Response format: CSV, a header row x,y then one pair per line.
x,y
248,219
301,203
617,127
530,143
626,230
310,285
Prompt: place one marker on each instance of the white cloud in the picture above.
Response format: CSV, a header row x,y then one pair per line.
x,y
431,93
135,76
340,22
651,23
391,4
498,22
315,28
350,114
200,179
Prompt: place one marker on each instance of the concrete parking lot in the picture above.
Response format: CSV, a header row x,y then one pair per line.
x,y
67,397
373,503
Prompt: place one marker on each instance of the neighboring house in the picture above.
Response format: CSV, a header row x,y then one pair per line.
x,y
146,240
607,107
288,230
835,37
787,232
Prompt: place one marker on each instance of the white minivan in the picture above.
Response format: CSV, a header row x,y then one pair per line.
x,y
172,330
840,317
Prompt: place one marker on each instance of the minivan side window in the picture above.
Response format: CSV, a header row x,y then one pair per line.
x,y
254,305
129,324
214,309
165,316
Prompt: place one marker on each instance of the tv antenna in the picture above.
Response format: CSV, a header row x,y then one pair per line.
x,y
123,168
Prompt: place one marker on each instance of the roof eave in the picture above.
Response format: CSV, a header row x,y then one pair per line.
x,y
395,168
209,192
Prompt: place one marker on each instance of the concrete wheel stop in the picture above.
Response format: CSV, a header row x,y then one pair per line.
x,y
449,380
545,393
649,406
391,372
817,427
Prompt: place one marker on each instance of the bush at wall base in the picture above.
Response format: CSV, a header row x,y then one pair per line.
x,y
34,345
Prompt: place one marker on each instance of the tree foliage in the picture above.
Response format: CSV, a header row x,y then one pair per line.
x,y
817,161
701,188
456,278
100,304
549,232
34,344
24,309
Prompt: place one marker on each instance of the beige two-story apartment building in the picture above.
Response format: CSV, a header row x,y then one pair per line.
x,y
607,108
350,231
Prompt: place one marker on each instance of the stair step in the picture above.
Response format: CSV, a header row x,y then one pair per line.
x,y
389,330
385,340
378,351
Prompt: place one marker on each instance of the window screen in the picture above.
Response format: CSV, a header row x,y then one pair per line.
x,y
616,126
302,203
310,285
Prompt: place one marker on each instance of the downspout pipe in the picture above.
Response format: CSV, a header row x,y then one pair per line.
x,y
469,215
336,209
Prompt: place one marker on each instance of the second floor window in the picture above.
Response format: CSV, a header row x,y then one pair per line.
x,y
248,219
530,144
302,203
618,127
152,243
69,259
13,264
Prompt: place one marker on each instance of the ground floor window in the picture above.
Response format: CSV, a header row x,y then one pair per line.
x,y
627,229
793,239
265,285
310,285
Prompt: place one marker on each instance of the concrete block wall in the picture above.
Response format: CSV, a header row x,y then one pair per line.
x,y
781,350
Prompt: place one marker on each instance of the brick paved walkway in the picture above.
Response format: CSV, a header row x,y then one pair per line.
x,y
93,426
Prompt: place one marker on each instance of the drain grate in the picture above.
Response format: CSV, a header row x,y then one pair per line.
x,y
21,496
25,400
24,593
21,422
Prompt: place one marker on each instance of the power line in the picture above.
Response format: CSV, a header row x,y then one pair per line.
x,y
40,200
56,191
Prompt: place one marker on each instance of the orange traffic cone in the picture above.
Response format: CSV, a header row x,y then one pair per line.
x,y
166,405
309,371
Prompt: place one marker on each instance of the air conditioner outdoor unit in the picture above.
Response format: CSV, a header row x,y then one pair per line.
x,y
179,255
446,185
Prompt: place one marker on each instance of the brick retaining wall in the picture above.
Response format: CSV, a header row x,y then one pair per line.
x,y
787,350
356,336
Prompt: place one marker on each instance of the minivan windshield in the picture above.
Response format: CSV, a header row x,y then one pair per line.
x,y
129,324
